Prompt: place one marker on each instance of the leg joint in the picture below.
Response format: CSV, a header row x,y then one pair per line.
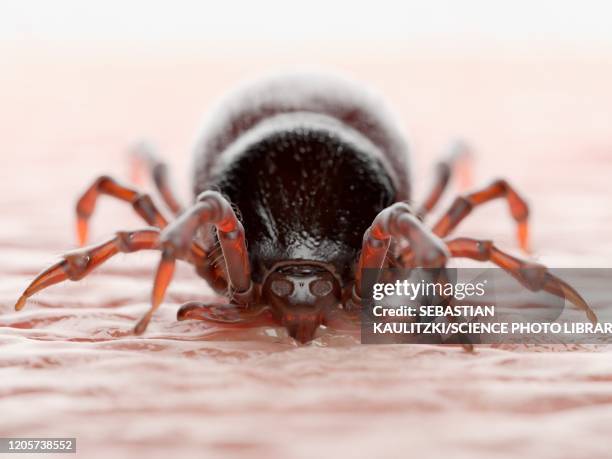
x,y
483,249
144,206
76,265
461,207
217,203
501,183
102,181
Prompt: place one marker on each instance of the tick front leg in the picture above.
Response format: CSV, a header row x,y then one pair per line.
x,y
77,264
398,221
145,156
534,276
211,208
228,314
464,205
456,162
142,204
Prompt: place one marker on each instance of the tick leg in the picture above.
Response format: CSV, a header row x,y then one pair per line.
x,y
398,221
142,204
454,163
464,205
211,208
463,339
534,276
77,264
229,314
145,156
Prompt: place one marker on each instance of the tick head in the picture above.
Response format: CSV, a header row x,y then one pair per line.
x,y
300,295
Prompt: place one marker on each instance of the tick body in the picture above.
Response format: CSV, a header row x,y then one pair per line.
x,y
308,173
299,183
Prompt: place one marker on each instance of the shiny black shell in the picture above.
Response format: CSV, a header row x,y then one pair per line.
x,y
307,162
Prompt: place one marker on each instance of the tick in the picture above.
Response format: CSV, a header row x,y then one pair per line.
x,y
299,182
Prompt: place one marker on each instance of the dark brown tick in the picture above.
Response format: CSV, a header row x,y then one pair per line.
x,y
301,182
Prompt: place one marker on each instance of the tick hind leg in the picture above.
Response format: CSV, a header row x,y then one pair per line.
x,y
456,162
144,157
141,202
463,206
534,276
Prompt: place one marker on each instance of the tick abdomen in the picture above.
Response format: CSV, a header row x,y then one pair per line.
x,y
353,105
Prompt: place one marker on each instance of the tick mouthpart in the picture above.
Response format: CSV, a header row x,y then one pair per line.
x,y
300,295
302,327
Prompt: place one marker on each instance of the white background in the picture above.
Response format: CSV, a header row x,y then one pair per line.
x,y
475,22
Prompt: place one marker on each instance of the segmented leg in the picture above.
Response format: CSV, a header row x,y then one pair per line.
x,y
463,205
398,221
77,264
211,208
455,162
145,156
229,314
142,204
534,276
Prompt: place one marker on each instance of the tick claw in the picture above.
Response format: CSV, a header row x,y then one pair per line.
x,y
142,324
592,317
20,303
